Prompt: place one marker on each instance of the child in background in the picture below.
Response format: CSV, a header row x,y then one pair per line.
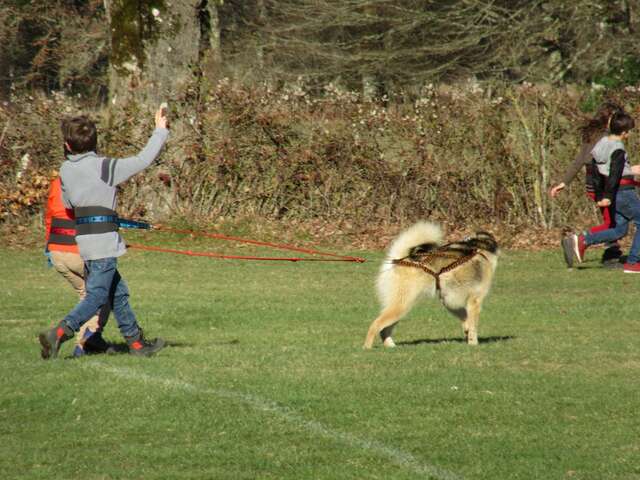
x,y
591,132
616,186
61,248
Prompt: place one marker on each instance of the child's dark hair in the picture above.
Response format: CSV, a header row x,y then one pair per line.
x,y
80,133
620,123
594,128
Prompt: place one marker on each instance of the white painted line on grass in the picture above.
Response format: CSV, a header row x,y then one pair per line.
x,y
398,457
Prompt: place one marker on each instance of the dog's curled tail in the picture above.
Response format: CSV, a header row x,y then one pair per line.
x,y
420,233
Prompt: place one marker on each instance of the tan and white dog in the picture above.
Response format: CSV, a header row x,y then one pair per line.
x,y
418,263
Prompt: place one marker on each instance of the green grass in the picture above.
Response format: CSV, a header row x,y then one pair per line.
x,y
265,377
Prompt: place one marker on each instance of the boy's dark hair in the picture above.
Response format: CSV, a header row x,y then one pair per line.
x,y
593,129
620,123
80,133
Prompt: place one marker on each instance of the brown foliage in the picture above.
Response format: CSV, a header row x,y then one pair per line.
x,y
337,163
53,45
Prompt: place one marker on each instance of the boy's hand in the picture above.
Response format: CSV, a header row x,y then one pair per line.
x,y
47,254
635,169
605,202
556,189
161,117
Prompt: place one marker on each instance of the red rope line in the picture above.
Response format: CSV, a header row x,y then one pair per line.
x,y
335,257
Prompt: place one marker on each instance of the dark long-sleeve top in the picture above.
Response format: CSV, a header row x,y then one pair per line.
x,y
611,183
582,159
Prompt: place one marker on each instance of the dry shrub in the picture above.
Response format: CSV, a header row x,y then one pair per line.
x,y
462,156
457,155
30,153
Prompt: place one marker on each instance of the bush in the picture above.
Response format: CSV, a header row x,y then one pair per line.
x,y
459,155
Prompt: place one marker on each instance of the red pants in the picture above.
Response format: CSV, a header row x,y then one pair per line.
x,y
607,216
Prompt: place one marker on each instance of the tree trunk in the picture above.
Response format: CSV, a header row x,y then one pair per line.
x,y
162,51
210,50
157,48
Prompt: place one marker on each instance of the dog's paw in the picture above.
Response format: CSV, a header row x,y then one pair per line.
x,y
388,342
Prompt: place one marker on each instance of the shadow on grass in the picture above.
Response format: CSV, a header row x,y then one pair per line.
x,y
596,264
121,348
599,266
453,340
233,341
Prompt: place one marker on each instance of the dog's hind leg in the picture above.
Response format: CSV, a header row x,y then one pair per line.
x,y
385,335
470,323
463,316
387,318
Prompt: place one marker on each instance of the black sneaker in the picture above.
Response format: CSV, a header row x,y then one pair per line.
x,y
51,340
611,255
96,344
613,265
142,347
567,249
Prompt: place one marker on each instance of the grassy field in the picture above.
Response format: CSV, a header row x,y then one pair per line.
x,y
265,377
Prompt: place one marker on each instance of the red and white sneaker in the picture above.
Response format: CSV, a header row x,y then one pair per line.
x,y
579,246
632,267
567,250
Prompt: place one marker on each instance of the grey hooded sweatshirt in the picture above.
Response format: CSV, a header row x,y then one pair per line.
x,y
90,180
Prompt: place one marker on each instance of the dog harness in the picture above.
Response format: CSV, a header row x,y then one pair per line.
x,y
421,260
60,234
62,231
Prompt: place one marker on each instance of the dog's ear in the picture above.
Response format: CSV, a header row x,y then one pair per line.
x,y
422,249
484,234
486,241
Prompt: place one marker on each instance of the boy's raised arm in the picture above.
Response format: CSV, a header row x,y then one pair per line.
x,y
116,171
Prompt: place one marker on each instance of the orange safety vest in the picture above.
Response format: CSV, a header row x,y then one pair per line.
x,y
60,224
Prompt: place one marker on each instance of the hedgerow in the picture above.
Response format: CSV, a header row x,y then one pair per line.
x,y
460,155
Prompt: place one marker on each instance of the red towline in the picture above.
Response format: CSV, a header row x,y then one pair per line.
x,y
333,256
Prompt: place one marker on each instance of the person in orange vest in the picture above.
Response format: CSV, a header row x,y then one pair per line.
x,y
62,251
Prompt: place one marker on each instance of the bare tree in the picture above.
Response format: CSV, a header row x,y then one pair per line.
x,y
411,41
151,50
52,45
162,51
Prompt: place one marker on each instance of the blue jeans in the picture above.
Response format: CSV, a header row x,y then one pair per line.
x,y
627,208
104,285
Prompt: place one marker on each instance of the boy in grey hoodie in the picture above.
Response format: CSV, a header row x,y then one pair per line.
x,y
89,182
616,187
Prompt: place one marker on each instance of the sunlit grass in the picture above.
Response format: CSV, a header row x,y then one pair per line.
x,y
265,377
